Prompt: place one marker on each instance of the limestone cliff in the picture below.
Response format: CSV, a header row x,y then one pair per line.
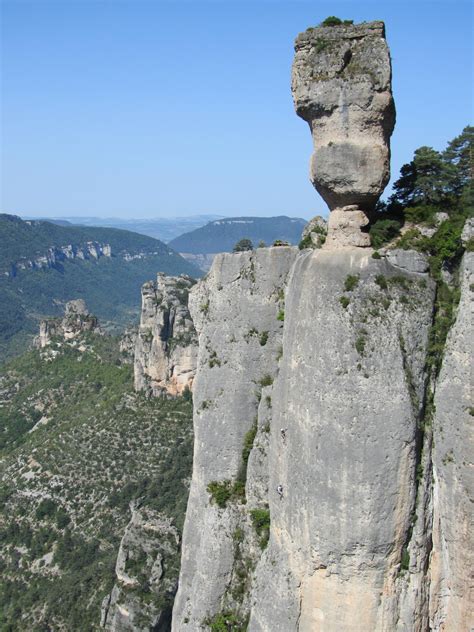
x,y
77,320
55,255
346,461
238,314
147,550
452,558
166,345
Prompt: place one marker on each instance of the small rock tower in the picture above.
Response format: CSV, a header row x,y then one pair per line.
x,y
342,86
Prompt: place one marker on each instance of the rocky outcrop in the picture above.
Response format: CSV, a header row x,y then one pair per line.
x,y
314,233
166,345
56,255
141,597
341,84
127,344
77,321
452,557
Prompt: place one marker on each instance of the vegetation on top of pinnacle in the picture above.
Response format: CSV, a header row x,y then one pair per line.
x,y
109,285
222,234
66,485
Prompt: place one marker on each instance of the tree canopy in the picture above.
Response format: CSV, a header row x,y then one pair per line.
x,y
242,245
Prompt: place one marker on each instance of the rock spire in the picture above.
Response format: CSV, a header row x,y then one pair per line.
x,y
341,85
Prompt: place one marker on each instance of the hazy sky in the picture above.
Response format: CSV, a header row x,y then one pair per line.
x,y
153,108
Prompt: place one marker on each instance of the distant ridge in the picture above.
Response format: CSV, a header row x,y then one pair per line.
x,y
221,235
43,265
163,228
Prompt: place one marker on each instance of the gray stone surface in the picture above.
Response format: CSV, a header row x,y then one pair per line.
x,y
341,85
348,464
316,230
408,260
235,310
76,321
348,391
149,545
452,558
166,345
468,231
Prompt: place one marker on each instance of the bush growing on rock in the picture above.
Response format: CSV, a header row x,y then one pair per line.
x,y
243,245
332,20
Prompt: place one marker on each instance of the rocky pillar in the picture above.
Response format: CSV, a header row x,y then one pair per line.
x,y
341,85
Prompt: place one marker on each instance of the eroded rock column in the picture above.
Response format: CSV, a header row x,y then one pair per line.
x,y
341,85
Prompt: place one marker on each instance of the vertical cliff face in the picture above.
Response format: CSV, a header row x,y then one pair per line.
x,y
166,345
452,563
350,393
312,505
238,314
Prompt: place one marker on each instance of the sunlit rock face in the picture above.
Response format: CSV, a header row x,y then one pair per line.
x,y
341,85
166,344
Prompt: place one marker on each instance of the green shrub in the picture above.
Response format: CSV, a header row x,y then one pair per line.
x,y
376,255
351,282
281,315
266,380
381,281
360,345
261,523
46,509
220,492
412,239
319,45
332,20
399,279
445,305
263,338
382,231
248,442
421,214
306,242
226,621
344,301
243,245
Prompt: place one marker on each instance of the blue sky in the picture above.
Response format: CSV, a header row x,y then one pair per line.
x,y
158,109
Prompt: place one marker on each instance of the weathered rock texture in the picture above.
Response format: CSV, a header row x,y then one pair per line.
x,y
237,311
149,546
56,255
452,558
314,233
166,345
370,505
341,84
348,462
77,320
